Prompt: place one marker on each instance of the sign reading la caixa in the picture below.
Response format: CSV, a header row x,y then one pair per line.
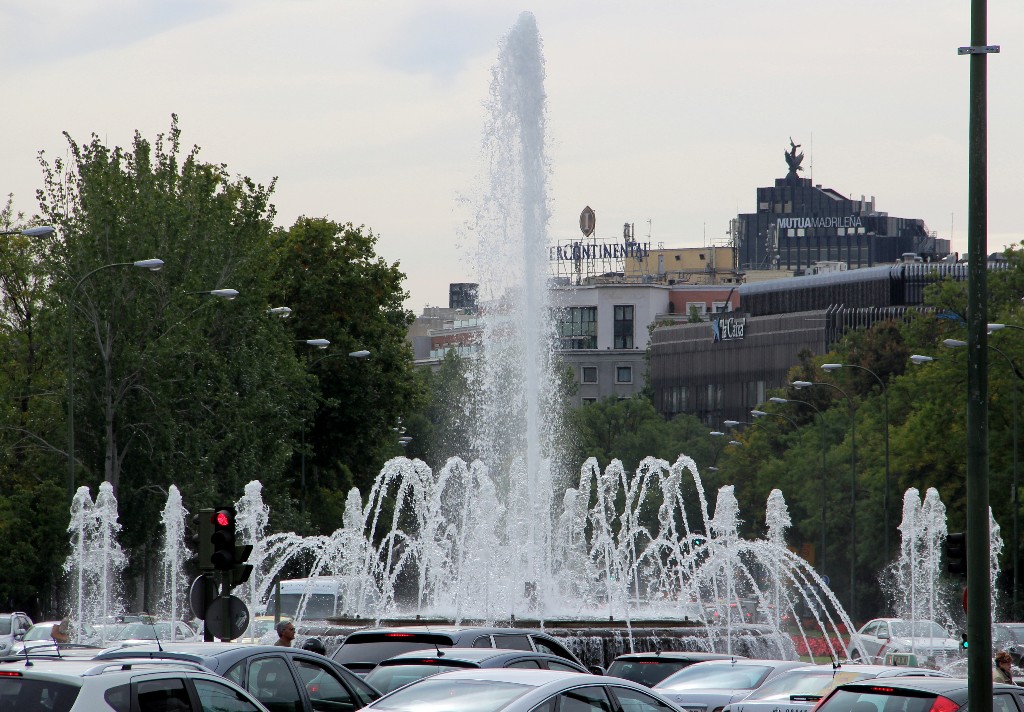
x,y
728,329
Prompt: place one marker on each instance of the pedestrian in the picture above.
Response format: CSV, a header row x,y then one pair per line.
x,y
285,633
61,632
1002,671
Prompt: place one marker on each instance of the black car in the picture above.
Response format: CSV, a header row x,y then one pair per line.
x,y
283,679
408,667
363,649
651,668
915,694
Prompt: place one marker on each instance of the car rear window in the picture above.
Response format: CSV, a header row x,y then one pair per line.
x,y
883,699
458,695
391,677
718,677
31,695
374,647
646,672
816,683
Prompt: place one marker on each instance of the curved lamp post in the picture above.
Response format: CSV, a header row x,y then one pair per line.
x,y
38,231
853,486
153,265
830,367
824,489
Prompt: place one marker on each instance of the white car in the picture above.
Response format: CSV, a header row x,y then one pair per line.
x,y
923,638
163,631
74,685
521,690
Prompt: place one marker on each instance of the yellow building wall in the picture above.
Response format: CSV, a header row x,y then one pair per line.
x,y
687,259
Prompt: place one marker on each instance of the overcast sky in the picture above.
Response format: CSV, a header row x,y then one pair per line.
x,y
664,113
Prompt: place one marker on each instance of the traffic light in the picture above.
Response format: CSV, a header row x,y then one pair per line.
x,y
202,535
241,571
222,539
956,553
963,641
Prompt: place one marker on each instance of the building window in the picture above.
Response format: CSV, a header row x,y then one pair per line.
x,y
623,326
578,328
588,401
623,374
701,307
719,307
589,374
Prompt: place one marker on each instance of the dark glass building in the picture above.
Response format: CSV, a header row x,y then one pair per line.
x,y
798,224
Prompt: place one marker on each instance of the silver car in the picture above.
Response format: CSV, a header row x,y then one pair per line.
x,y
923,638
802,688
521,691
710,686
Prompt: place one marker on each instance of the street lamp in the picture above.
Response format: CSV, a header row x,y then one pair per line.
x,y
316,343
830,367
824,489
283,312
38,231
853,486
153,265
956,343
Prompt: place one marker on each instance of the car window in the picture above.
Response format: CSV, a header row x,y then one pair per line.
x,y
909,629
546,645
5,625
814,683
636,701
870,629
646,672
165,695
527,664
119,698
1003,703
324,689
390,677
871,701
363,692
728,676
217,697
454,696
560,667
584,699
484,641
374,647
27,695
236,673
271,682
512,642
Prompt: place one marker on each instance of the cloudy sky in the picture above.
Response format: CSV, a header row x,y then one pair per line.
x,y
664,113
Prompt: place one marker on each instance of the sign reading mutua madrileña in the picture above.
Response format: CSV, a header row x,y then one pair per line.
x,y
728,328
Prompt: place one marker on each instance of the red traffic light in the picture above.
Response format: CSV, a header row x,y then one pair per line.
x,y
222,518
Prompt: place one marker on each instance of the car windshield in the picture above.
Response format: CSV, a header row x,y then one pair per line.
x,y
374,647
30,695
812,683
145,631
918,629
318,605
877,700
453,695
715,676
391,677
646,672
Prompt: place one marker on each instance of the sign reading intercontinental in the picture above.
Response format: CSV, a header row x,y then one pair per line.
x,y
576,251
728,329
834,222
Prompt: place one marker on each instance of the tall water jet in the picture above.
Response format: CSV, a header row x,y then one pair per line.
x,y
76,566
252,517
110,558
514,380
173,555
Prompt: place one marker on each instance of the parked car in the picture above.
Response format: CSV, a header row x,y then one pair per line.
x,y
1009,637
363,649
651,668
710,686
402,669
802,688
283,679
923,638
915,694
67,685
40,634
164,631
521,691
12,627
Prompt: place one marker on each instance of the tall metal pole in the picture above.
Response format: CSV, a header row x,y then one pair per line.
x,y
979,608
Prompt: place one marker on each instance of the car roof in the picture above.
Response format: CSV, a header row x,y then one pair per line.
x,y
444,630
941,685
532,678
679,655
200,649
469,655
79,667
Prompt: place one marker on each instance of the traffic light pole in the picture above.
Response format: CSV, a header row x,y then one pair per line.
x,y
979,604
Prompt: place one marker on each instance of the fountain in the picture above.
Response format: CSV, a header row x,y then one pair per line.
x,y
174,555
96,561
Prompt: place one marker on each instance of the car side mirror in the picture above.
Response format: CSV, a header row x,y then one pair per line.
x,y
883,635
596,669
20,635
